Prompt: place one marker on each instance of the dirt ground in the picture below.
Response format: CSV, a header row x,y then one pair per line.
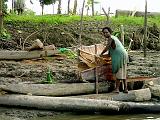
x,y
63,69
34,71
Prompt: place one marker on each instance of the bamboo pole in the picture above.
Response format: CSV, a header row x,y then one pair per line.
x,y
145,29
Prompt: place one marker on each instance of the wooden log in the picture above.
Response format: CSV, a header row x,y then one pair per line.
x,y
77,104
37,44
133,95
155,90
55,89
19,55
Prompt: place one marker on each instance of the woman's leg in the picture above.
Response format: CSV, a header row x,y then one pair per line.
x,y
117,86
125,86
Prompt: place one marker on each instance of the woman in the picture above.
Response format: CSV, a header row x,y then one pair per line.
x,y
119,58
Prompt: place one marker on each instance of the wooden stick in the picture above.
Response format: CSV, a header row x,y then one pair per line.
x,y
96,71
80,40
106,15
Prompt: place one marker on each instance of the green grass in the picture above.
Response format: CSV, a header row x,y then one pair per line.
x,y
65,19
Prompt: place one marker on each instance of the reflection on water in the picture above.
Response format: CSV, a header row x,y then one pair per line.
x,y
102,117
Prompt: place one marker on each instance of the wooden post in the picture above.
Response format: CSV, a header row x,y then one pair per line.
x,y
96,71
122,34
145,29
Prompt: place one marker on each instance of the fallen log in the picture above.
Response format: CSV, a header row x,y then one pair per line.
x,y
155,90
140,95
37,44
19,55
77,104
58,89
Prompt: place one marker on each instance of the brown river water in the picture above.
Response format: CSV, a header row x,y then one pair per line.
x,y
30,114
103,117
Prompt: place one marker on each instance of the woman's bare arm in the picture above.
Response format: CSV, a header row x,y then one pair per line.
x,y
107,47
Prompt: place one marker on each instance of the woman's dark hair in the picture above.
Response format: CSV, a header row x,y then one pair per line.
x,y
108,28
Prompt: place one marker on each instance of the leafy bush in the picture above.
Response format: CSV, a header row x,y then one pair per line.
x,y
5,35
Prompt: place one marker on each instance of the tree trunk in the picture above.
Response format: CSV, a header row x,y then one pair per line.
x,y
42,9
78,104
145,29
59,7
12,5
55,89
20,55
92,7
68,7
53,7
75,7
1,16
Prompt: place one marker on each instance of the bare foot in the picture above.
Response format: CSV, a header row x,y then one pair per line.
x,y
125,91
115,91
